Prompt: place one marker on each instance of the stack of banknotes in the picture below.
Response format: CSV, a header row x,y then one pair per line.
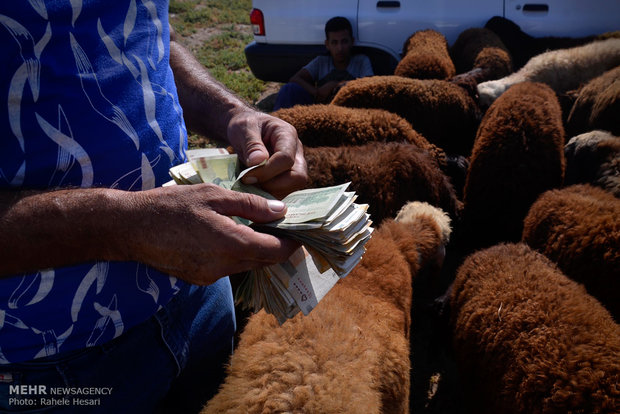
x,y
332,228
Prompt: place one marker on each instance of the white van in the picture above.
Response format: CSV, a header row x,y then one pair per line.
x,y
288,34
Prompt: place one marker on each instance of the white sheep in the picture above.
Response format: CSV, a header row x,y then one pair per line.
x,y
562,69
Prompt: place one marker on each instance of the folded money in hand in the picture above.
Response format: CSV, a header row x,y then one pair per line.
x,y
332,228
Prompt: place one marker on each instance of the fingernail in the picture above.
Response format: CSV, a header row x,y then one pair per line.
x,y
254,158
276,206
249,180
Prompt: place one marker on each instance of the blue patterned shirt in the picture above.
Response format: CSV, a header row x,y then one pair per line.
x,y
87,99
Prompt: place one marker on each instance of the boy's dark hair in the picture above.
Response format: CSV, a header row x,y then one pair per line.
x,y
336,24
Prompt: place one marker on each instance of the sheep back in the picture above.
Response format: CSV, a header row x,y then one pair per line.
x,y
334,126
594,158
441,111
384,175
518,154
425,56
562,70
578,227
351,353
523,47
597,105
529,340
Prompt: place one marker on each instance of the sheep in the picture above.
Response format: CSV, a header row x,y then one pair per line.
x,y
479,56
442,112
351,353
480,53
523,47
527,339
597,105
518,154
562,70
594,158
425,56
384,175
331,125
578,227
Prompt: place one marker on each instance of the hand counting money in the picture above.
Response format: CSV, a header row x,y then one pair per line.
x,y
332,228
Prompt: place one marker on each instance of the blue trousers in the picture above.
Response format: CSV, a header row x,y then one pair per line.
x,y
292,94
172,363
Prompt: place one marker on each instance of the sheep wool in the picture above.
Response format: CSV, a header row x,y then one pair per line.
x,y
442,112
523,47
482,53
578,227
333,126
597,105
425,56
594,158
351,353
383,175
518,154
527,339
562,69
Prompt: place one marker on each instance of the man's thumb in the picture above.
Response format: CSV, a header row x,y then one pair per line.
x,y
255,208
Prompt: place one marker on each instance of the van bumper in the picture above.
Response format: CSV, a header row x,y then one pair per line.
x,y
277,63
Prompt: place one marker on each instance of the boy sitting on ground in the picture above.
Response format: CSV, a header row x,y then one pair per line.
x,y
319,80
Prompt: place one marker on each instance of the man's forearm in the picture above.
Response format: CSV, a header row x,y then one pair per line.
x,y
207,105
305,83
39,230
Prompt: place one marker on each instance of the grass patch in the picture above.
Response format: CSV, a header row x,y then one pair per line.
x,y
190,14
225,49
222,53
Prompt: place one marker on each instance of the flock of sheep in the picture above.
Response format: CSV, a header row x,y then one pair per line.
x,y
492,171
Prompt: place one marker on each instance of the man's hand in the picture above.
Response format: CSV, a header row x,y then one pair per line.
x,y
210,109
183,230
257,137
325,92
187,232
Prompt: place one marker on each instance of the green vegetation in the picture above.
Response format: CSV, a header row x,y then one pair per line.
x,y
192,14
220,40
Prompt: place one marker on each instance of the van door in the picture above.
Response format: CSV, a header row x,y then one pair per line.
x,y
388,23
564,18
302,21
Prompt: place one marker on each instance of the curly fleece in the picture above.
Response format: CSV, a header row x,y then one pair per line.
x,y
527,339
578,227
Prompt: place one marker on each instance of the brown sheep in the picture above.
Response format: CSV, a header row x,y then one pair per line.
x,y
333,126
597,105
527,339
425,56
480,53
383,175
594,158
351,353
441,111
562,70
518,154
578,227
479,56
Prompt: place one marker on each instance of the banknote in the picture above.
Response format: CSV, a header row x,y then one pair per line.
x,y
185,174
221,170
331,227
311,205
